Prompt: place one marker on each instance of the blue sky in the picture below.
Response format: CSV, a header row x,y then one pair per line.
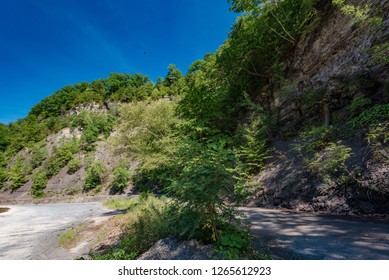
x,y
45,44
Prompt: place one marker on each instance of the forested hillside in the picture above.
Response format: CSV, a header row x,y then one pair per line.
x,y
291,111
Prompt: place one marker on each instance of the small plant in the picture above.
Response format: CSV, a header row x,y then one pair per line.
x,y
67,239
314,139
379,54
378,138
39,182
358,14
330,161
93,125
358,105
254,151
372,116
94,171
74,165
120,178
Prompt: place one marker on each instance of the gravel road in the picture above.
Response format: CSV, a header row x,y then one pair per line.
x,y
292,235
31,231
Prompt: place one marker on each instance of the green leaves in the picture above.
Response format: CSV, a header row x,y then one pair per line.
x,y
204,188
120,178
94,172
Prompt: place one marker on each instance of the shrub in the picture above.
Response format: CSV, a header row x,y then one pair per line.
x,y
379,54
234,243
203,191
378,137
147,223
120,177
372,116
94,172
358,105
93,124
61,156
3,176
38,155
17,174
74,165
314,139
330,161
254,151
39,182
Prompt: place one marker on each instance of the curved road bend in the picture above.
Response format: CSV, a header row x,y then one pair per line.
x,y
292,235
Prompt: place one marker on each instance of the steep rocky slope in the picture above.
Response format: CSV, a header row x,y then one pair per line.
x,y
333,67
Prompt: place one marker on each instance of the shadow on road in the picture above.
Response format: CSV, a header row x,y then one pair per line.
x,y
291,235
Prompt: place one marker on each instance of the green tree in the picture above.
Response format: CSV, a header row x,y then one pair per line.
x,y
173,76
204,189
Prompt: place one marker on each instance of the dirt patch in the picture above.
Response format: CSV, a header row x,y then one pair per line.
x,y
3,210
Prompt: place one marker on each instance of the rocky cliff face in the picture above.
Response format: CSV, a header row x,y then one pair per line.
x,y
331,67
334,62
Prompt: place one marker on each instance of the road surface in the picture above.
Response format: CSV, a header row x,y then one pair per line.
x,y
292,235
31,231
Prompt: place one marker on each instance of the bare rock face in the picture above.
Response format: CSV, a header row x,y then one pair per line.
x,y
334,58
172,249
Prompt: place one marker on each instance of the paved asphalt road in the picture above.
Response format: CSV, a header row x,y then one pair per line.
x,y
26,231
292,235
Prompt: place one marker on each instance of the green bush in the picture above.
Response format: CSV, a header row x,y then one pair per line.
x,y
38,155
39,182
120,178
3,170
203,191
74,165
93,125
330,162
234,243
147,222
314,139
3,176
358,105
17,174
378,137
94,171
372,116
254,149
61,156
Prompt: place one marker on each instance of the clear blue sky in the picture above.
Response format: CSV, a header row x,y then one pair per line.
x,y
47,44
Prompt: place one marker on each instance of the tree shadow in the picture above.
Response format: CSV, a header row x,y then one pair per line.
x,y
292,235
